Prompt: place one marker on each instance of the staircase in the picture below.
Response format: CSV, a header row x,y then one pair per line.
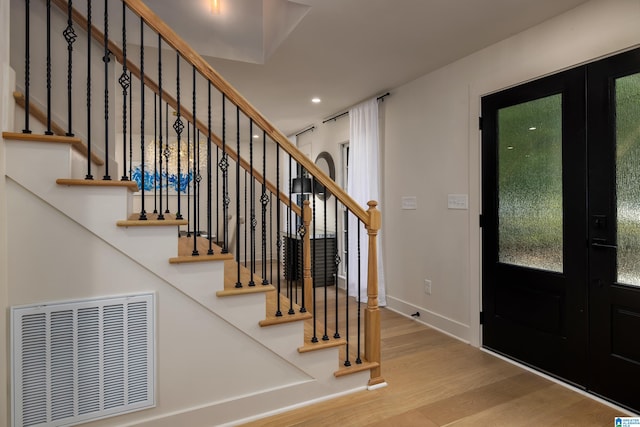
x,y
234,341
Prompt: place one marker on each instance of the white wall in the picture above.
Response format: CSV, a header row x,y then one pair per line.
x,y
6,118
433,149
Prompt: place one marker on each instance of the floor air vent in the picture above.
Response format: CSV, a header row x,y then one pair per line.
x,y
80,361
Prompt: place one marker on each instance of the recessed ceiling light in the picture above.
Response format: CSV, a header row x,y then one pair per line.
x,y
316,100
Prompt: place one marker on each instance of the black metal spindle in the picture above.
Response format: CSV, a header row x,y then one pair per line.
x,y
293,275
245,217
209,177
217,196
197,193
196,169
165,152
124,81
224,167
314,338
325,337
70,36
27,65
155,153
89,176
190,173
178,127
238,282
270,238
358,359
264,201
48,131
166,169
106,59
347,362
143,213
302,231
278,234
131,127
337,263
253,207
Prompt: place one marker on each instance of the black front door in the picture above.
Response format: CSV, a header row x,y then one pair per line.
x,y
561,226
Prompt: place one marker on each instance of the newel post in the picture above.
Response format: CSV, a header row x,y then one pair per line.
x,y
372,312
306,262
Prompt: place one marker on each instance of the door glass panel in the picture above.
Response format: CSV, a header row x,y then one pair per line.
x,y
628,178
530,184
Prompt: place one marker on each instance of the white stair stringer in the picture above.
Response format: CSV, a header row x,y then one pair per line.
x,y
98,210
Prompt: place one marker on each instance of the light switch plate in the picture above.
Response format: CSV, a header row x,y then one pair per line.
x,y
409,203
458,201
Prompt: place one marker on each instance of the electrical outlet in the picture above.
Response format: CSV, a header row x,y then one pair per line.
x,y
427,286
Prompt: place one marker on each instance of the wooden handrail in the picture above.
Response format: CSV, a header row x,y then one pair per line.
x,y
203,67
166,97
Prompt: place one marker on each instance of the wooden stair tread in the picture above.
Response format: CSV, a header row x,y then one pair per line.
x,y
152,220
285,305
130,185
185,251
41,116
355,367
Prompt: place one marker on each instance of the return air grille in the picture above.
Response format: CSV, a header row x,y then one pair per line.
x,y
80,361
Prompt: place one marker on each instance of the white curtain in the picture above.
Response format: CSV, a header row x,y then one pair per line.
x,y
363,184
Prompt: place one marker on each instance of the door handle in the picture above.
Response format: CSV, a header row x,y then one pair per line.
x,y
602,244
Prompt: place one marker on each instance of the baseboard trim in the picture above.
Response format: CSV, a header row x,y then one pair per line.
x,y
447,326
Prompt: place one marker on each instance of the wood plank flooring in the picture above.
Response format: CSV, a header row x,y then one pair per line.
x,y
436,380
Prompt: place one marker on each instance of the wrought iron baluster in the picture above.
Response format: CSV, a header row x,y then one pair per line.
x,y
155,153
325,337
314,338
196,169
293,275
347,362
337,263
70,37
143,213
131,127
278,233
190,175
253,207
166,136
124,81
358,359
224,167
165,153
88,175
264,201
178,127
106,58
48,131
27,64
238,282
302,231
270,238
209,184
245,217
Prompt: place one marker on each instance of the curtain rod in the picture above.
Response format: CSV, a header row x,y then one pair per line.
x,y
337,116
305,130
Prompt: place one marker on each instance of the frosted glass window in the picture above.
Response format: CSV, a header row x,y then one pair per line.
x,y
628,178
530,184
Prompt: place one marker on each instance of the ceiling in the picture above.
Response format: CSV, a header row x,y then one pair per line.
x,y
279,54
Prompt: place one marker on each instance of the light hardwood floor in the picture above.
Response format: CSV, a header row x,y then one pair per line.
x,y
436,380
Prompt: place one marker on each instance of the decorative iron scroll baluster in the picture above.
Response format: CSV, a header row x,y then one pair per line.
x,y
238,282
70,36
197,193
314,338
358,359
245,217
178,127
190,174
278,233
124,81
293,275
89,176
143,213
196,169
48,131
270,238
302,231
224,167
209,184
264,201
106,58
27,64
167,154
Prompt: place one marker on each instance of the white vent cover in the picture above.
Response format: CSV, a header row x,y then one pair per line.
x,y
80,361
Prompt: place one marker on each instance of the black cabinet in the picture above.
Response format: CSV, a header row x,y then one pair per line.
x,y
323,265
